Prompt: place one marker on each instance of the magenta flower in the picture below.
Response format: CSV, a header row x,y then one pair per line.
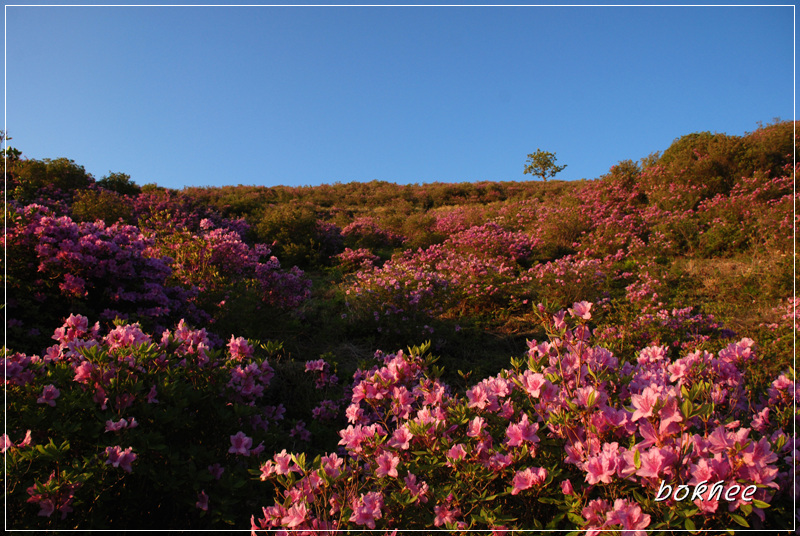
x,y
387,465
654,462
527,478
120,458
444,514
475,427
532,382
644,403
49,395
296,515
629,515
85,372
202,501
216,470
332,465
601,468
517,433
456,452
239,348
112,426
317,365
367,509
26,440
267,470
581,310
300,432
417,488
240,444
282,461
478,397
401,438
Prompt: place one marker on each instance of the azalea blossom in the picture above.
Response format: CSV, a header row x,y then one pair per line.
x,y
49,395
240,444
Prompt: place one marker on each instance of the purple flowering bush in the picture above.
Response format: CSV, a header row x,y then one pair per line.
x,y
58,266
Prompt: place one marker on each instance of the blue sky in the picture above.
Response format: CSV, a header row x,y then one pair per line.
x,y
210,96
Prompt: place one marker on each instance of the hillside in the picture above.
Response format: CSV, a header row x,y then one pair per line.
x,y
672,276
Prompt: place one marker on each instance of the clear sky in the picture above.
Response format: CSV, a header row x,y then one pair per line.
x,y
210,96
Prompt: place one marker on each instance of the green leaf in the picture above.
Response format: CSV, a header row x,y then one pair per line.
x,y
690,526
740,520
686,409
575,518
760,504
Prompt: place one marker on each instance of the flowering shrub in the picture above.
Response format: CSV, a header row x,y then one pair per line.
x,y
473,270
100,422
365,232
215,259
351,260
58,266
554,443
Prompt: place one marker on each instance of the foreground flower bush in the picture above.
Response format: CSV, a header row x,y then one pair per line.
x,y
125,430
569,438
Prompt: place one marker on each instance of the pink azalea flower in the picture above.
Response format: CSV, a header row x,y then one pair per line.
x,y
367,509
239,348
601,468
319,365
401,438
654,461
282,461
387,465
644,403
5,443
629,515
532,382
475,427
112,426
581,310
295,516
216,470
26,440
444,514
151,396
84,372
670,417
267,470
49,395
240,444
456,452
527,478
202,501
120,458
478,397
332,465
417,488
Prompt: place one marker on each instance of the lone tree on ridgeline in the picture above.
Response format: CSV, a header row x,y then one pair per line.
x,y
542,164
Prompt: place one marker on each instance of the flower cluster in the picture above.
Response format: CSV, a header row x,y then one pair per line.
x,y
670,423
